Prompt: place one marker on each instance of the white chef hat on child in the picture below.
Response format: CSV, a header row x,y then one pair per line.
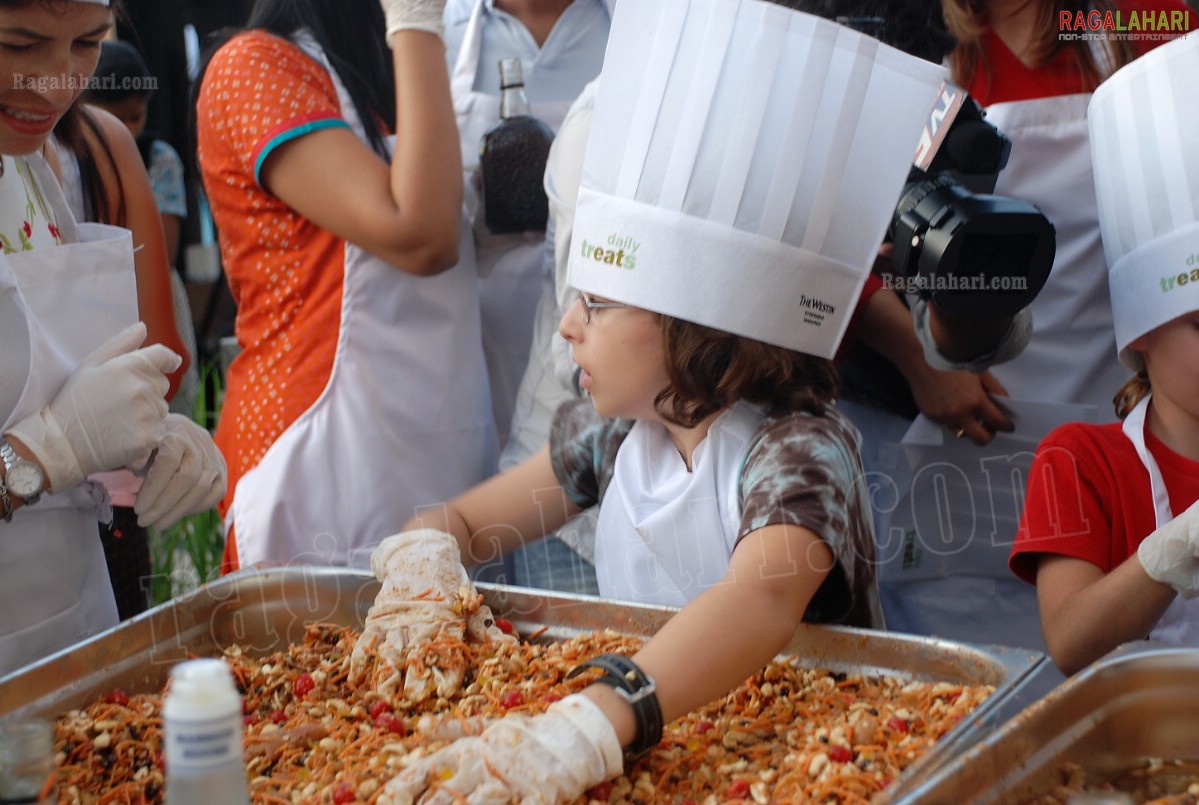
x,y
1144,122
743,165
97,2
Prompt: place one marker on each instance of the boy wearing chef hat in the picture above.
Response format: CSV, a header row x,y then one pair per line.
x,y
1100,538
742,166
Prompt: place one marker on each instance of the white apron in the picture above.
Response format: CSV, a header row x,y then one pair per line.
x,y
510,266
946,522
1179,624
404,421
55,589
665,535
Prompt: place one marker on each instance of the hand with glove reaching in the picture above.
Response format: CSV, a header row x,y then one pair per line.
x,y
1170,554
418,631
549,758
413,15
109,414
187,474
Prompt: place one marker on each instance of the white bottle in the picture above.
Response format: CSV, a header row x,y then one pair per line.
x,y
202,719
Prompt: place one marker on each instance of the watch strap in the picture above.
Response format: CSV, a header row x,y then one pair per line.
x,y
636,688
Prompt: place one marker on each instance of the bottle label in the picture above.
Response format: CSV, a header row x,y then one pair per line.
x,y
199,745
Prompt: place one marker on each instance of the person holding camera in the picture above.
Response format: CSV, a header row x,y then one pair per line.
x,y
949,508
1110,534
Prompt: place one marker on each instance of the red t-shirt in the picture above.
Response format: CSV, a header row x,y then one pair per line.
x,y
1003,77
1089,497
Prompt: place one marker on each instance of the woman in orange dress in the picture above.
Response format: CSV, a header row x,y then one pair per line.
x,y
359,393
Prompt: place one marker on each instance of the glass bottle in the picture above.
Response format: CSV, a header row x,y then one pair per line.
x,y
202,722
27,772
512,160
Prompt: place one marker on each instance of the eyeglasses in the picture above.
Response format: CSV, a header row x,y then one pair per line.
x,y
588,304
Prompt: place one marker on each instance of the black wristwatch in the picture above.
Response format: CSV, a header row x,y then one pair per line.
x,y
638,690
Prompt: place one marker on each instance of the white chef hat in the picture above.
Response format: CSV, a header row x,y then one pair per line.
x,y
97,2
1145,151
743,165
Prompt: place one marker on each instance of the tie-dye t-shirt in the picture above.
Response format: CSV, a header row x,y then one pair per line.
x,y
798,469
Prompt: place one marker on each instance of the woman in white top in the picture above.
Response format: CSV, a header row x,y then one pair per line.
x,y
77,396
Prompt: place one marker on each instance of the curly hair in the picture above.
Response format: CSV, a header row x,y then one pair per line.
x,y
709,370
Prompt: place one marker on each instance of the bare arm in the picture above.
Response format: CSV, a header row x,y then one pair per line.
x,y
407,212
1086,613
135,195
731,630
953,399
504,512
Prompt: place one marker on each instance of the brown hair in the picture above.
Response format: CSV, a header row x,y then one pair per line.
x,y
967,20
710,369
1135,389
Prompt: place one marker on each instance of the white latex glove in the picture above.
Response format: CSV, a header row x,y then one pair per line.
x,y
413,15
1171,553
187,474
424,613
550,758
109,413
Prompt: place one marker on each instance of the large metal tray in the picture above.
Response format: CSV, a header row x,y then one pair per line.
x,y
1107,719
266,610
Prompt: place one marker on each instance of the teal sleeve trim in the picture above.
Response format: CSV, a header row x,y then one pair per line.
x,y
279,138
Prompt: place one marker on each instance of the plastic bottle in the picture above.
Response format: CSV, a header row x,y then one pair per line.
x,y
512,160
202,719
27,772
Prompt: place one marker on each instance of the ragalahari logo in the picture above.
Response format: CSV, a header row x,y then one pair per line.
x,y
1124,24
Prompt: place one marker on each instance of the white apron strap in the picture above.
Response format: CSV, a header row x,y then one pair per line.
x,y
1178,623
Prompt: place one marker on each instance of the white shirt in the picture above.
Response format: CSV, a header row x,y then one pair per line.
x,y
570,57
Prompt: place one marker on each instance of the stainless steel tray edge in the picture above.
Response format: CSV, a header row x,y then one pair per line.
x,y
265,610
1101,718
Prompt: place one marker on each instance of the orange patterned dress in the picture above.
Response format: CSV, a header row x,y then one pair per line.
x,y
285,272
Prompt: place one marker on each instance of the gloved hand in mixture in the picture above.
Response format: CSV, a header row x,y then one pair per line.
x,y
413,15
187,474
1171,553
549,758
109,414
417,630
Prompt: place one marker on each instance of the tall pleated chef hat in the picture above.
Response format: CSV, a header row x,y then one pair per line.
x,y
1143,124
743,164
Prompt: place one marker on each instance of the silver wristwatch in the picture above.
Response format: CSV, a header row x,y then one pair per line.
x,y
21,477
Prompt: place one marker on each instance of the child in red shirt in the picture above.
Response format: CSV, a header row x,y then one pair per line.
x,y
1099,537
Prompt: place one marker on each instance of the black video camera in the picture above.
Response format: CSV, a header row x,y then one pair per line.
x,y
969,252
